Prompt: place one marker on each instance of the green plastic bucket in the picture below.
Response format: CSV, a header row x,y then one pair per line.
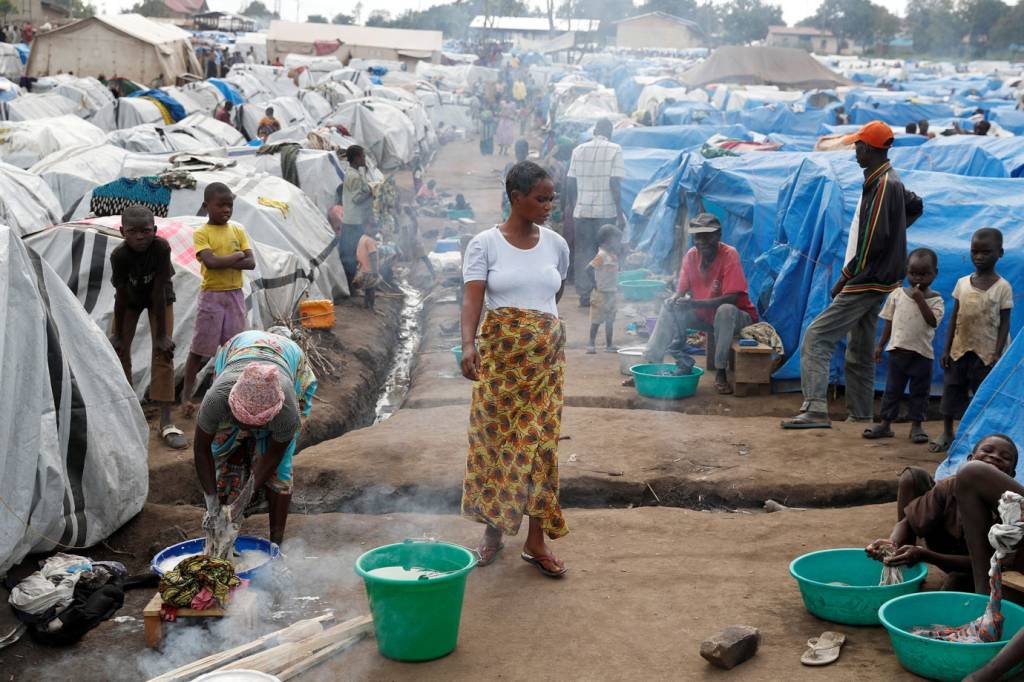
x,y
416,619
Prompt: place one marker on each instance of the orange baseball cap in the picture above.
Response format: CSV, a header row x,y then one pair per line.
x,y
874,134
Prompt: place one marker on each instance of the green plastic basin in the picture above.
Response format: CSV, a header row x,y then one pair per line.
x,y
857,602
416,620
935,659
652,385
633,275
457,352
641,290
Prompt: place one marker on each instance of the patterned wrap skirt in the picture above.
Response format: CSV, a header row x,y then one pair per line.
x,y
514,422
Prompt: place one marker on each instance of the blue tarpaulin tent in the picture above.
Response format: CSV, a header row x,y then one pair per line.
x,y
641,165
171,105
682,113
782,119
228,91
675,137
898,113
1009,119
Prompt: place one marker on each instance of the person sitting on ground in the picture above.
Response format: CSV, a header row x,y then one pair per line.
x,y
460,204
711,296
982,127
911,128
427,193
604,303
141,272
268,125
224,113
911,315
978,330
249,423
876,258
930,511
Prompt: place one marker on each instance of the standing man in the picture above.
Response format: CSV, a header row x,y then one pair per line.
x,y
876,264
595,175
357,202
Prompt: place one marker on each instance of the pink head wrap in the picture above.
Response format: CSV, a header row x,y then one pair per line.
x,y
256,397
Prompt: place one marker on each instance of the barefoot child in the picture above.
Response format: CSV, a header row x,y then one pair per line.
x,y
367,269
929,510
141,271
911,315
977,331
604,271
223,250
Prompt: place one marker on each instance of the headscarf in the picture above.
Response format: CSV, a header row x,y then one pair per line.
x,y
256,397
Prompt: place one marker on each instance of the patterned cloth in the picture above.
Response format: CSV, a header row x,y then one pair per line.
x,y
593,165
514,422
113,197
181,585
1004,538
236,450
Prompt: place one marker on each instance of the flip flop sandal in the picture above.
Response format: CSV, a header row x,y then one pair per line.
x,y
919,438
487,555
173,437
803,421
940,444
538,562
873,434
723,388
824,649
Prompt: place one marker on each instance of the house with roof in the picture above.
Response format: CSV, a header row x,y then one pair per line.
x,y
39,12
659,30
807,38
345,42
522,31
184,9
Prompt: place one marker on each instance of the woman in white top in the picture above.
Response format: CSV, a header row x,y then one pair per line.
x,y
516,271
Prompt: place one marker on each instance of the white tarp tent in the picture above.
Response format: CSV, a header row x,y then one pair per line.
x,y
320,171
10,62
23,143
27,204
73,172
257,81
197,132
287,110
33,107
74,458
381,127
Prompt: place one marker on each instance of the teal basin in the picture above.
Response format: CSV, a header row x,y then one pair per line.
x,y
857,602
633,275
652,385
457,352
935,659
642,289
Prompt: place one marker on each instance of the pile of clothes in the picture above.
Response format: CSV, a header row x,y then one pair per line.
x,y
198,582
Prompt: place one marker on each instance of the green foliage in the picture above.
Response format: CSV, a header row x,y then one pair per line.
x,y
861,21
343,19
150,8
257,9
316,19
79,8
934,26
6,7
687,9
745,21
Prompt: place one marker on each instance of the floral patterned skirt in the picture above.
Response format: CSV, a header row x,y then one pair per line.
x,y
514,422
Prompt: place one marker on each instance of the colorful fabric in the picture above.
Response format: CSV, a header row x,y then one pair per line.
x,y
724,277
180,586
236,449
1004,538
256,397
114,197
764,333
514,422
170,108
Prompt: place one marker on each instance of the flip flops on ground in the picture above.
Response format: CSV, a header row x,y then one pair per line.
x,y
824,649
917,435
486,554
546,564
808,420
723,388
173,437
940,444
878,431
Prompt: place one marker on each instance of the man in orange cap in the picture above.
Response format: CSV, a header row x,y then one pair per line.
x,y
876,259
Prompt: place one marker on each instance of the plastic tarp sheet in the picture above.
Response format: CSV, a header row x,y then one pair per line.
x,y
676,137
74,459
900,138
131,112
793,143
641,165
252,79
962,159
1009,119
382,128
32,107
898,113
782,119
172,105
997,407
73,172
1009,150
287,110
228,91
683,113
23,143
320,172
197,132
27,204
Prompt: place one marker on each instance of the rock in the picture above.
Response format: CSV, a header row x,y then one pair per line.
x,y
773,506
730,647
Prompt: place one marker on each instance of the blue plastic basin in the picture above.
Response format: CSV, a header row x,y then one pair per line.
x,y
196,545
856,602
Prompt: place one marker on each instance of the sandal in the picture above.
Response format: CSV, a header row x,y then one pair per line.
x,y
877,432
940,444
824,649
539,560
919,438
723,388
808,420
173,437
486,554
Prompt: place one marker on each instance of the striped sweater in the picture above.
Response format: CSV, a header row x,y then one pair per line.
x,y
887,209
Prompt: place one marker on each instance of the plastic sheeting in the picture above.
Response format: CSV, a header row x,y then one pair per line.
x,y
382,128
898,113
31,107
641,165
197,132
287,110
74,462
24,143
27,204
73,172
782,119
997,407
675,136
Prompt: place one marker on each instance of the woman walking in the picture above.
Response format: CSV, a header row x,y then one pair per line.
x,y
516,271
248,425
506,134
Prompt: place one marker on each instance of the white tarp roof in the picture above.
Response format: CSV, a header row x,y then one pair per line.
x,y
23,143
197,132
32,107
74,171
381,127
74,461
535,24
399,39
27,204
138,26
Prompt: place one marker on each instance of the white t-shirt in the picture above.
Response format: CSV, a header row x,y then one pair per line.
x,y
517,278
909,330
977,324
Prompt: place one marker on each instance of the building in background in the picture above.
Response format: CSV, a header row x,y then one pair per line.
x,y
182,10
658,30
346,42
39,12
803,37
527,31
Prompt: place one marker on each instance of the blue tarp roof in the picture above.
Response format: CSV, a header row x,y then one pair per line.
x,y
675,137
681,113
898,113
641,165
228,91
782,119
1009,118
173,106
1009,150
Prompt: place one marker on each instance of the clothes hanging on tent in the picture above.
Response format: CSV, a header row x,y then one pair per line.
x,y
113,197
289,152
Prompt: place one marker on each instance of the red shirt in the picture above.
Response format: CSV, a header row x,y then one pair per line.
x,y
724,277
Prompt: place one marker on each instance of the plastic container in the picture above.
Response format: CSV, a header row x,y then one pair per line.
x,y
237,676
458,214
633,275
632,355
446,245
417,620
457,352
650,384
857,602
317,313
641,290
935,659
196,546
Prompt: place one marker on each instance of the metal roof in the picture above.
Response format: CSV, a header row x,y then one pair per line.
x,y
535,24
360,36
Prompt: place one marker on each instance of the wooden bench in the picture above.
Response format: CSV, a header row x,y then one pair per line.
x,y
1014,580
751,368
153,625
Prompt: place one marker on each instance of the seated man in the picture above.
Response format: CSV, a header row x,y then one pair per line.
x,y
711,296
930,511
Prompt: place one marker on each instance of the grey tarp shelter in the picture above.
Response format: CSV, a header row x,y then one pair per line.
x,y
785,67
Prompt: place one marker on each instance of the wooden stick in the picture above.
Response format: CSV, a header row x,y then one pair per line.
x,y
299,629
284,656
319,657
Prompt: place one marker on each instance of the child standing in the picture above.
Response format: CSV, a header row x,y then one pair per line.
x,y
977,331
141,271
604,271
911,315
223,251
367,269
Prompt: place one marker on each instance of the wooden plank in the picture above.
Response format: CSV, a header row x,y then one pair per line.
x,y
1014,579
153,607
318,658
284,656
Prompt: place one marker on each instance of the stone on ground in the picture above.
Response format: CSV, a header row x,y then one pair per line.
x,y
731,646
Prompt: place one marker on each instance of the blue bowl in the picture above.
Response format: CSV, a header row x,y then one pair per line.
x,y
195,546
857,602
936,659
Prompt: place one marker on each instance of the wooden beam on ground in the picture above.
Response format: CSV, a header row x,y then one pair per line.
x,y
318,658
284,656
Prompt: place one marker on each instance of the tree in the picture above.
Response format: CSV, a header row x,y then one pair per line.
x,y
150,8
357,12
934,26
979,19
745,21
687,9
343,19
709,18
257,10
316,19
859,20
378,17
79,9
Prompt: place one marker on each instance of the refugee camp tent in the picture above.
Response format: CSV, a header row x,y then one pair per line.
x,y
349,41
33,107
75,440
72,172
128,45
23,143
10,62
80,253
319,172
382,129
259,82
782,66
197,132
287,110
27,204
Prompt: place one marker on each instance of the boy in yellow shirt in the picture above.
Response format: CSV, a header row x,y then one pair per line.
x,y
223,251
